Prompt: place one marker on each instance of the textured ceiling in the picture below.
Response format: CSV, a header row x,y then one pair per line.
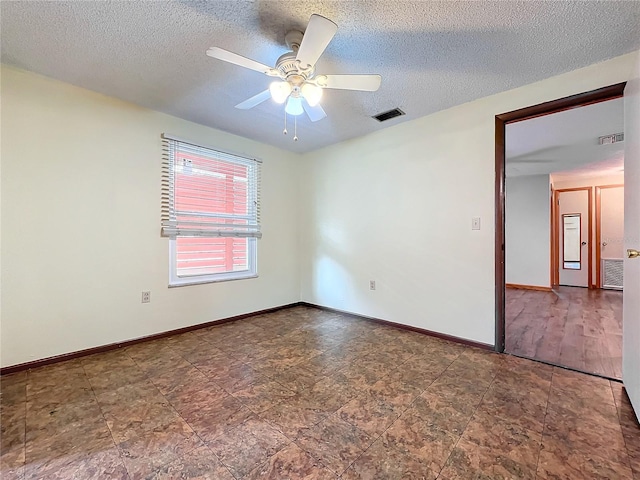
x,y
431,55
566,143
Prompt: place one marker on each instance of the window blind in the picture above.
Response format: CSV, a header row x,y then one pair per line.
x,y
208,193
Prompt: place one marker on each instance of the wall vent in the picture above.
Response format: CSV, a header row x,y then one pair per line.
x,y
609,139
384,116
612,273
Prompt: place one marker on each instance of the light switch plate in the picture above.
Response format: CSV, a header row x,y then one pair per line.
x,y
475,223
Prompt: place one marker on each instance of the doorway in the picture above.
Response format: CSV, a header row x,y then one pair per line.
x,y
563,316
573,321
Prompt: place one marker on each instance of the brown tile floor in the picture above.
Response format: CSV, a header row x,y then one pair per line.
x,y
303,393
571,326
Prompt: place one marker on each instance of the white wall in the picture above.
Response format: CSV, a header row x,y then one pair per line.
x,y
81,223
396,206
528,230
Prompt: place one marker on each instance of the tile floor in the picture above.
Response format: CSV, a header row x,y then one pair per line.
x,y
303,393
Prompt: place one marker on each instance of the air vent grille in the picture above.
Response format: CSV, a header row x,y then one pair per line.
x,y
609,139
612,273
384,116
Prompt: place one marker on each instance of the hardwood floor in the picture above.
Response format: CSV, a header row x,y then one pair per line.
x,y
306,394
570,326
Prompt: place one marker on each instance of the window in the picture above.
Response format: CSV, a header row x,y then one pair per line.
x,y
210,212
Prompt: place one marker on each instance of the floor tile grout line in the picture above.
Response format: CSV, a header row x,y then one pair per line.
x,y
293,365
227,392
591,422
95,398
467,424
249,365
274,425
176,412
354,426
624,438
205,443
319,459
376,439
544,422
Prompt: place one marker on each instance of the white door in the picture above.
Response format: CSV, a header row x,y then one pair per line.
x,y
631,295
573,217
612,222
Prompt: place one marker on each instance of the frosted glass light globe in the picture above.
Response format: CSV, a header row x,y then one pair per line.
x,y
280,91
294,106
311,93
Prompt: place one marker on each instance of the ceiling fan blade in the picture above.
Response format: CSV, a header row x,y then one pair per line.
x,y
315,113
227,56
367,83
255,100
316,37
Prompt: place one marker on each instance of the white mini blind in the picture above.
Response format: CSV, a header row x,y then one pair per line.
x,y
208,193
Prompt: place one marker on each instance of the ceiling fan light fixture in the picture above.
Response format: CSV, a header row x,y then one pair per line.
x,y
280,91
297,86
294,106
311,93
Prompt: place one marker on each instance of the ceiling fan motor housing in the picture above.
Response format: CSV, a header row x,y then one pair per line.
x,y
293,39
288,66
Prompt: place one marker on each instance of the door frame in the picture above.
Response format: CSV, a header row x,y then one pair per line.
x,y
599,189
547,108
555,219
554,264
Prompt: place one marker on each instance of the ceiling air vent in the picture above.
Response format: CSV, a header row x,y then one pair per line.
x,y
384,116
609,139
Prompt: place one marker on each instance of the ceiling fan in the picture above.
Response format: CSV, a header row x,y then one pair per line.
x,y
299,85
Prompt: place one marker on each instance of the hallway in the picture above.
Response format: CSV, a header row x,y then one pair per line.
x,y
571,326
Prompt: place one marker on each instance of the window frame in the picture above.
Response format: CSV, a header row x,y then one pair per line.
x,y
253,197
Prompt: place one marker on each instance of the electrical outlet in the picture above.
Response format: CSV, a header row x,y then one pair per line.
x,y
372,284
146,297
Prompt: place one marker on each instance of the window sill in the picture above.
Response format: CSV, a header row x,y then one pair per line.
x,y
188,282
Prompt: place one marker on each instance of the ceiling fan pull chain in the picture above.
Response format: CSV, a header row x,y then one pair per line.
x,y
284,132
295,129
